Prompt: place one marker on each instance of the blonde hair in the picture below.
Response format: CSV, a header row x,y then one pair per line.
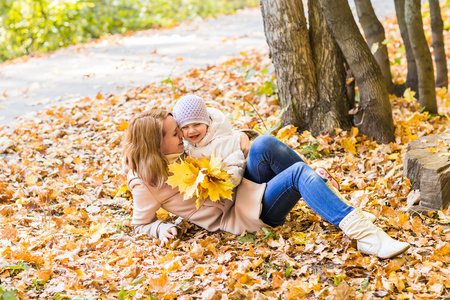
x,y
142,147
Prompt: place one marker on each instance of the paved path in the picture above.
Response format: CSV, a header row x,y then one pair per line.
x,y
121,63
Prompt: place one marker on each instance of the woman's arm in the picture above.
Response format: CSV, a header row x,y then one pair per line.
x,y
145,205
165,231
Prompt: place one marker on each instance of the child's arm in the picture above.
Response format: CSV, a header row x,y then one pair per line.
x,y
233,157
245,144
234,164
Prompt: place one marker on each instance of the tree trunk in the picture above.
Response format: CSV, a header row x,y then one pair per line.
x,y
425,71
350,87
429,172
374,33
412,81
437,28
287,36
374,113
331,110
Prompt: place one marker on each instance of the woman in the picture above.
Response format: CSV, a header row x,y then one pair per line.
x,y
275,179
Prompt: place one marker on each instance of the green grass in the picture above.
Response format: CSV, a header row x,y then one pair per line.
x,y
28,26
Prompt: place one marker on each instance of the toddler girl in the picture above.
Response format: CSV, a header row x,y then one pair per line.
x,y
208,131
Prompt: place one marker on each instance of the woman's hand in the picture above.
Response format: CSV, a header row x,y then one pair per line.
x,y
165,235
245,144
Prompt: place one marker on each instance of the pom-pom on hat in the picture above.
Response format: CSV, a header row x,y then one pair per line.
x,y
190,109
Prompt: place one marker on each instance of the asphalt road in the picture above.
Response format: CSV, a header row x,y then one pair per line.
x,y
125,62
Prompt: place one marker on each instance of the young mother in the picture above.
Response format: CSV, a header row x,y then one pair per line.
x,y
275,179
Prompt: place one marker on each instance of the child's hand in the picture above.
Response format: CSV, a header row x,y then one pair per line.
x,y
245,144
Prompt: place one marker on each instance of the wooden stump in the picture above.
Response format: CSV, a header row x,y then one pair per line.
x,y
430,172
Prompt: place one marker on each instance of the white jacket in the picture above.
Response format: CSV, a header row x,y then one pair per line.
x,y
223,141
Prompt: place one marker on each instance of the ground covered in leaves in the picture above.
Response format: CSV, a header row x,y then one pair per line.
x,y
65,209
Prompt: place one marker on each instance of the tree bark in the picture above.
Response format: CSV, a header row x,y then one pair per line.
x,y
412,80
374,33
350,87
287,36
437,28
332,107
425,71
374,113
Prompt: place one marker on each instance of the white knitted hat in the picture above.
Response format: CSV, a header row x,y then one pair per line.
x,y
190,109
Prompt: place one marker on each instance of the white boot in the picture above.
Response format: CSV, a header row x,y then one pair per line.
x,y
371,239
367,214
371,217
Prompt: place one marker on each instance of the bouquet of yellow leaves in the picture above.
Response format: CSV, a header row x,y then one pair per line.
x,y
202,178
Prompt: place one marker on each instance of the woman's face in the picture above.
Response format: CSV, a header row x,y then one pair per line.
x,y
172,140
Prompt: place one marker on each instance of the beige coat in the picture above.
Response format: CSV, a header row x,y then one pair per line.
x,y
232,216
223,141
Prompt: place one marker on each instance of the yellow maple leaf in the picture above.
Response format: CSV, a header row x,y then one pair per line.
x,y
300,238
409,95
348,145
393,156
201,178
185,175
354,131
123,125
97,230
215,168
199,163
162,214
286,132
408,132
123,189
75,230
31,179
217,189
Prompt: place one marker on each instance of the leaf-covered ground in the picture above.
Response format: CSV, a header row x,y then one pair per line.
x,y
65,209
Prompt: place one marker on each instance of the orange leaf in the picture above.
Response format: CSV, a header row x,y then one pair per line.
x,y
43,274
277,281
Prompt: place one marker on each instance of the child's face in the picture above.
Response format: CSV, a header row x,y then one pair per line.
x,y
195,132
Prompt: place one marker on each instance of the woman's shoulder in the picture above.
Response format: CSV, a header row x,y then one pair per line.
x,y
134,180
141,190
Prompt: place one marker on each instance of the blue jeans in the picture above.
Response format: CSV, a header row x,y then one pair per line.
x,y
289,178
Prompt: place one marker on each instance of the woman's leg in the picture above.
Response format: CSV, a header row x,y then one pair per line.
x,y
289,178
268,157
285,189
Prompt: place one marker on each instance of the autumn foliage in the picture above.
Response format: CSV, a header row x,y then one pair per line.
x,y
65,208
201,178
